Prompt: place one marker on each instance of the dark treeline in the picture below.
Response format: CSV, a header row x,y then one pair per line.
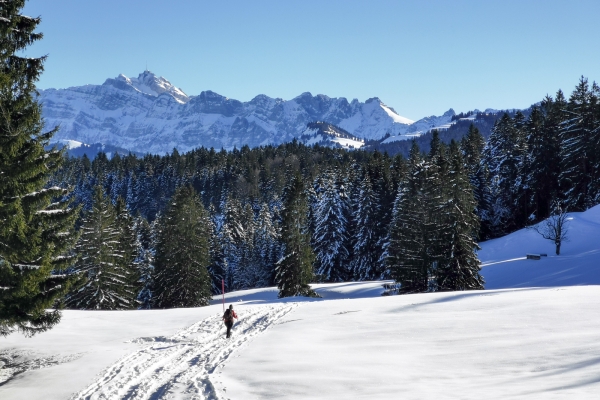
x,y
187,221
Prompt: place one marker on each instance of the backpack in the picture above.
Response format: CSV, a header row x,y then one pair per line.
x,y
227,316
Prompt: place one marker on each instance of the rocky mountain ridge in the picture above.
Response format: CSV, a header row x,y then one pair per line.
x,y
148,114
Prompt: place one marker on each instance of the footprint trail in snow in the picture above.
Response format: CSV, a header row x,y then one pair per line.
x,y
183,366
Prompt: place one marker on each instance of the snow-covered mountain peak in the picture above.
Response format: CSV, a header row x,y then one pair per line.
x,y
147,82
450,113
394,115
149,115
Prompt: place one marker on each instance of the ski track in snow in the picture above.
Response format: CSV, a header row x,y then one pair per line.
x,y
185,365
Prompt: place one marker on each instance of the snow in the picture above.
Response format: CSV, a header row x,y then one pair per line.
x,y
71,144
505,265
349,143
395,117
532,334
148,114
149,83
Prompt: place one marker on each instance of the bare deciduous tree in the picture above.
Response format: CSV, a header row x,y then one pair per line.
x,y
555,227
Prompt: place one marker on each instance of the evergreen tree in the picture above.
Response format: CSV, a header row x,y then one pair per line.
x,y
542,129
367,249
233,238
458,266
246,272
218,264
107,279
294,271
36,230
182,253
521,190
472,146
145,261
504,154
266,250
579,137
407,250
128,246
331,230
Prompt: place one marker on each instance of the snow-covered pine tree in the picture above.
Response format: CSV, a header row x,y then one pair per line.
x,y
472,146
266,247
435,193
144,261
546,163
457,266
237,236
36,231
128,246
294,271
367,248
521,192
182,253
107,282
246,273
331,229
231,235
406,250
579,138
218,265
504,152
385,180
541,181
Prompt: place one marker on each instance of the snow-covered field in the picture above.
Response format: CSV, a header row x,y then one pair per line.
x,y
533,334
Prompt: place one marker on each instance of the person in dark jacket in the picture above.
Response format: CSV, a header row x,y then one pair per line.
x,y
228,319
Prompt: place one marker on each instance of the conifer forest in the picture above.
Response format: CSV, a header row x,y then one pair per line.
x,y
164,231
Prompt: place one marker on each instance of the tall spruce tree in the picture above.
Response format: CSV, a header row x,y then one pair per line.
x,y
247,273
182,253
36,230
504,154
234,237
294,271
579,136
457,267
367,249
128,247
218,265
144,261
541,183
406,253
331,230
266,248
104,264
472,146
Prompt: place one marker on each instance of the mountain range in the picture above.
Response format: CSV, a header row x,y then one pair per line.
x,y
148,114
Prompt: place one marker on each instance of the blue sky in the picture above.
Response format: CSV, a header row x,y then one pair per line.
x,y
419,57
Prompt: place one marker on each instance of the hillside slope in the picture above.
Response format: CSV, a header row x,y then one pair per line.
x,y
505,264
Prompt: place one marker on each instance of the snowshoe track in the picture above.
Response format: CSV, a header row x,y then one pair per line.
x,y
183,366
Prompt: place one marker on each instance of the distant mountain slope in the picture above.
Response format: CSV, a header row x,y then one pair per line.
x,y
149,114
330,135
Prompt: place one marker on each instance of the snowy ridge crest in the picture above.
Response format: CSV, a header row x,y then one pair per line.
x,y
149,83
148,114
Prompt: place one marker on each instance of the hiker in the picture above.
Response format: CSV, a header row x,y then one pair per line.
x,y
228,319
